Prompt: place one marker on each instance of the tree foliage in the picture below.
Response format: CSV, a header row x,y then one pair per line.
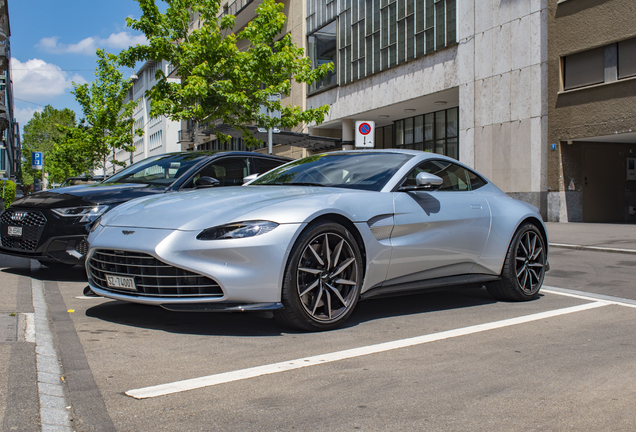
x,y
219,81
105,128
40,134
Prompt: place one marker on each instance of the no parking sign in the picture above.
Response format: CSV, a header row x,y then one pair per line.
x,y
365,134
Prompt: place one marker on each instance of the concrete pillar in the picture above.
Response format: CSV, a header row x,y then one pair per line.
x,y
347,130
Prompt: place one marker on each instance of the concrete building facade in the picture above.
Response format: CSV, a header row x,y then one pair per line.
x,y
467,78
592,111
10,150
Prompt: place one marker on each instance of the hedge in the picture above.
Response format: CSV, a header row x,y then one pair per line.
x,y
9,192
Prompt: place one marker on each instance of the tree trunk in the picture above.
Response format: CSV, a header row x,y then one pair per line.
x,y
196,133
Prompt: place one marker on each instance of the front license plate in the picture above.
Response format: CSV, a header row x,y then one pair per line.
x,y
15,231
121,282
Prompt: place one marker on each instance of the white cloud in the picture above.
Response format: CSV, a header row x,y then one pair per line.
x,y
37,80
88,46
23,115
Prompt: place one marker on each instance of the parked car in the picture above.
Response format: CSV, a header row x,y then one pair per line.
x,y
51,226
310,238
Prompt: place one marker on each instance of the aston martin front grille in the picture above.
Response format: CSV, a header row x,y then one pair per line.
x,y
153,278
32,224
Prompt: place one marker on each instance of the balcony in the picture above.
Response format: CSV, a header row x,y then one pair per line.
x,y
243,10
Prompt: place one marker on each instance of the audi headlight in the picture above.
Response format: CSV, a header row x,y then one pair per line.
x,y
88,213
237,230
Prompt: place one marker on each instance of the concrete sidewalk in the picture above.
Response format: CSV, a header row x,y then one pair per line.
x,y
593,236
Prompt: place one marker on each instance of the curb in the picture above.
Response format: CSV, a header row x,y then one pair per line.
x,y
593,248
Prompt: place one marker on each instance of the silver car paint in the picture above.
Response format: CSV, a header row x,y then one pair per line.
x,y
252,270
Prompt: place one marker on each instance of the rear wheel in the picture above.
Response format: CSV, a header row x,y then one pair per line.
x,y
524,268
323,278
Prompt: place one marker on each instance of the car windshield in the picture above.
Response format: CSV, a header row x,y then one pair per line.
x,y
366,171
159,170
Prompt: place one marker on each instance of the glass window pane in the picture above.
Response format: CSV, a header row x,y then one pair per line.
x,y
419,45
361,69
439,146
369,55
361,39
376,51
388,136
440,25
440,124
399,133
430,41
429,124
451,123
452,149
410,38
354,41
584,68
410,7
419,16
627,58
385,27
451,21
418,129
393,55
392,25
401,9
430,13
376,15
369,18
429,146
379,135
385,58
401,41
408,131
322,50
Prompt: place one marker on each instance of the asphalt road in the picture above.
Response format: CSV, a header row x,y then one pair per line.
x,y
447,361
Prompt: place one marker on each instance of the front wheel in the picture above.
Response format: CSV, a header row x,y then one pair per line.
x,y
323,278
524,268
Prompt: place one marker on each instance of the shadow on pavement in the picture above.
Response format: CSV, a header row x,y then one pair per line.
x,y
248,324
70,274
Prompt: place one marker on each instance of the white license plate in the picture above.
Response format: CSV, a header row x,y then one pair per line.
x,y
15,231
121,282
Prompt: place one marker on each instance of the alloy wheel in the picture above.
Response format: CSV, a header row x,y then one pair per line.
x,y
327,277
530,262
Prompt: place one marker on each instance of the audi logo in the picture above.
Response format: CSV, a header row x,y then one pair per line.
x,y
18,216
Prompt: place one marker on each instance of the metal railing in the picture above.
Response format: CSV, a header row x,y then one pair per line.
x,y
236,7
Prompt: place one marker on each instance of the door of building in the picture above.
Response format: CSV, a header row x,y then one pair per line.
x,y
603,183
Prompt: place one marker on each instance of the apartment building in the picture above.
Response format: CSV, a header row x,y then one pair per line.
x,y
161,135
592,111
10,153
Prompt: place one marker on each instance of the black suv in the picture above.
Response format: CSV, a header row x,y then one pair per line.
x,y
52,226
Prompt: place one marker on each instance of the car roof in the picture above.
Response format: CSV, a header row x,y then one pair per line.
x,y
216,153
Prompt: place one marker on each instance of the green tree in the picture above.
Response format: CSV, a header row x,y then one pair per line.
x,y
106,126
40,134
219,81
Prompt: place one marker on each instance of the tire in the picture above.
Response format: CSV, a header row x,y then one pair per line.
x,y
323,278
524,268
56,265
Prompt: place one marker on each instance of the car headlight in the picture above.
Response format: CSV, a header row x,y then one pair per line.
x,y
237,230
88,213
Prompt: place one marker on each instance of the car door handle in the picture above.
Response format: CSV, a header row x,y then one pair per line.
x,y
475,206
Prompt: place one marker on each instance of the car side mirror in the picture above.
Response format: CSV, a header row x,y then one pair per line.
x,y
250,177
206,182
424,181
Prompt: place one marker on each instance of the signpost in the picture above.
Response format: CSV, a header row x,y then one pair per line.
x,y
365,134
37,163
271,114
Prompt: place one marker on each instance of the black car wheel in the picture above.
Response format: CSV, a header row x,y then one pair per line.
x,y
524,268
323,278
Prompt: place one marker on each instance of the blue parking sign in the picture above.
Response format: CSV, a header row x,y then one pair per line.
x,y
37,160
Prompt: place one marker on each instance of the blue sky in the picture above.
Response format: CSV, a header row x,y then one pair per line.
x,y
54,43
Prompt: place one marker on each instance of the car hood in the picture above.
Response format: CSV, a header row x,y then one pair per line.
x,y
74,196
202,209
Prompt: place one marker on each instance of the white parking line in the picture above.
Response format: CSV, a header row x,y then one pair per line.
x,y
589,296
210,380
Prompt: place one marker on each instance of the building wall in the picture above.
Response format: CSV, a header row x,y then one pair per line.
x,y
160,134
584,113
498,69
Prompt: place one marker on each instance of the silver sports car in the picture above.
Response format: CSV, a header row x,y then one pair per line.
x,y
309,239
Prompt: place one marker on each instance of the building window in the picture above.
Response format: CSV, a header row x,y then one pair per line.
x,y
584,69
627,58
436,132
3,159
605,64
322,49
